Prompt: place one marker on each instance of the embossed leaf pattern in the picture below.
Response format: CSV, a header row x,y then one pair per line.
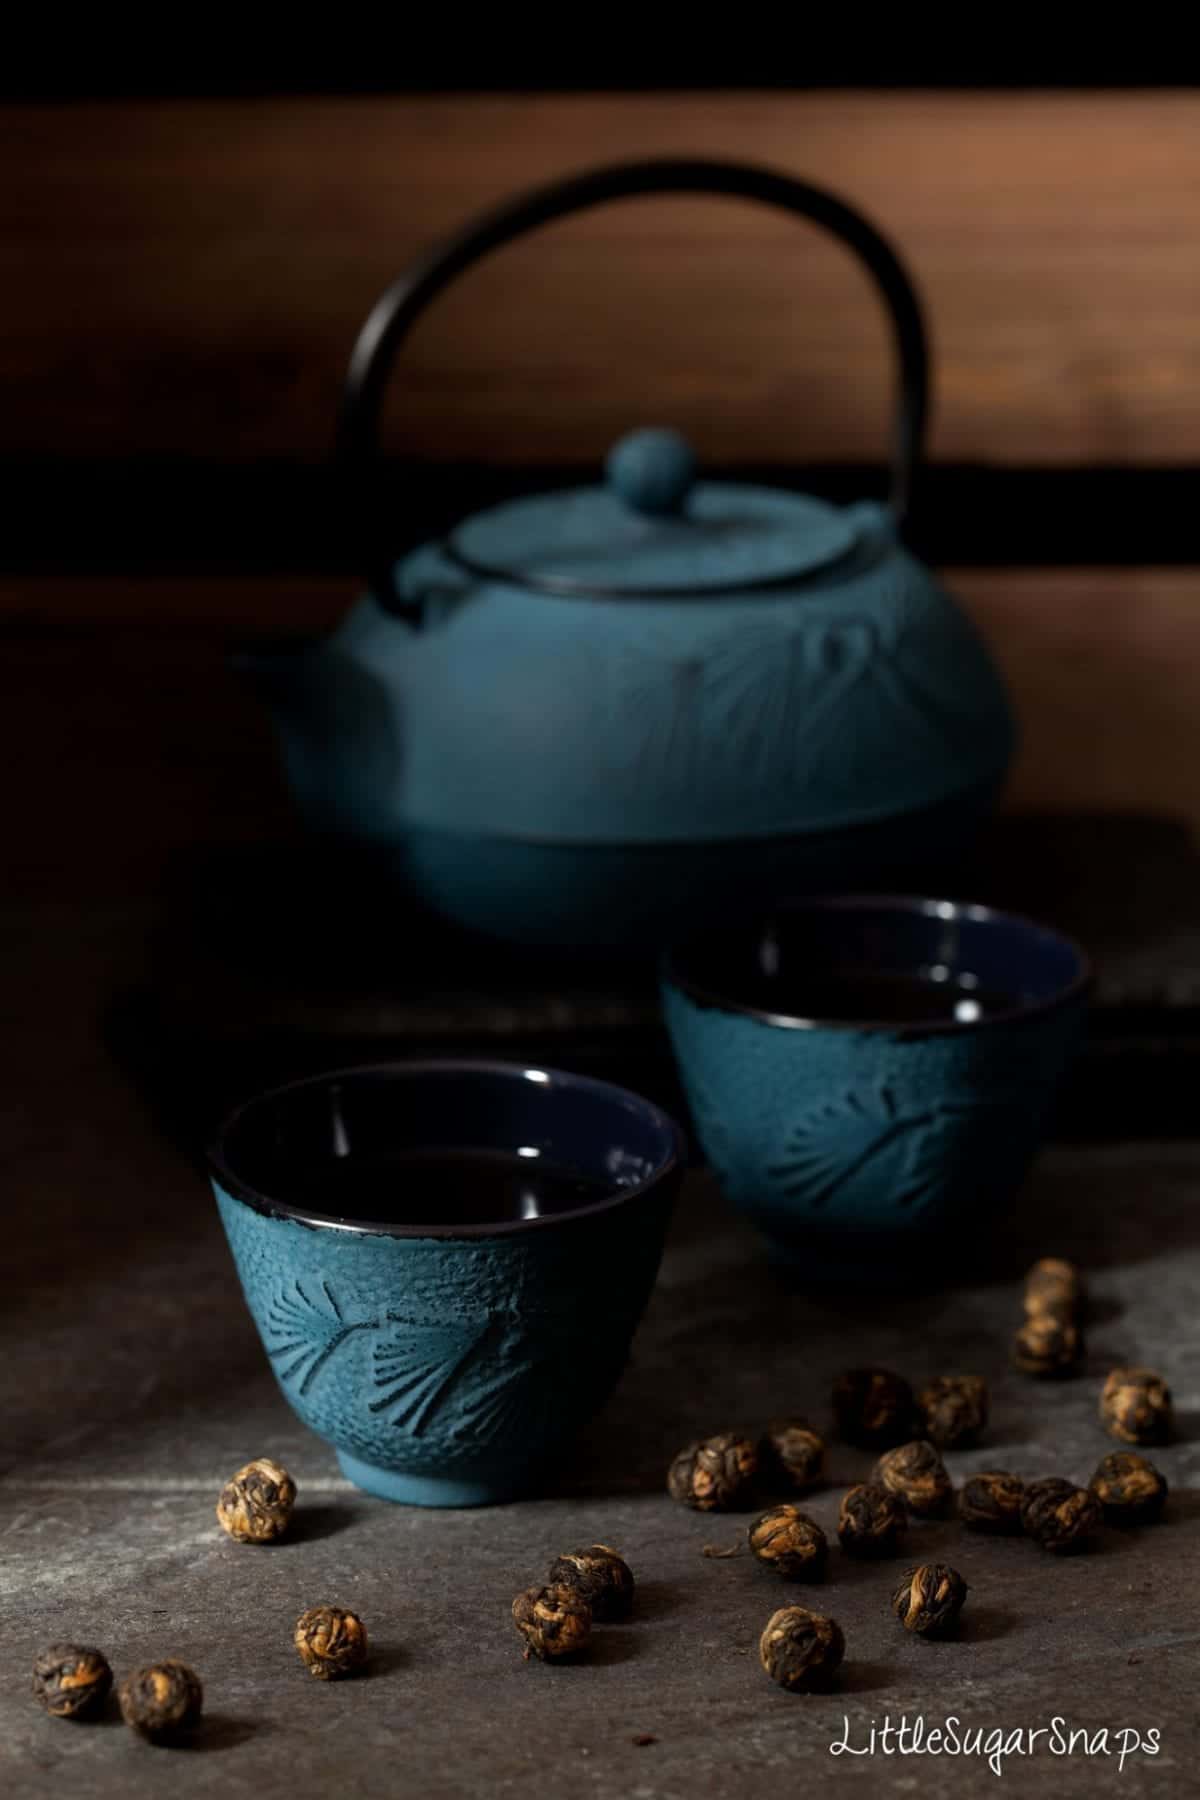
x,y
848,698
415,1365
473,1378
518,1406
736,705
479,1380
304,1326
900,1148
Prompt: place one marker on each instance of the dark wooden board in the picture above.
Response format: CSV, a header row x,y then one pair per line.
x,y
187,275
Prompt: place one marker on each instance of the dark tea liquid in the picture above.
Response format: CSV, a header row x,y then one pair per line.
x,y
863,998
442,1187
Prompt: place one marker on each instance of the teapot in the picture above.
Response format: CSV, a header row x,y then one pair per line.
x,y
617,713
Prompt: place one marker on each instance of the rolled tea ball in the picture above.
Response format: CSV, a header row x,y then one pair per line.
x,y
790,1543
71,1681
800,1649
953,1410
871,1521
1135,1406
991,1501
874,1408
256,1504
601,1576
163,1700
1059,1516
1131,1491
929,1599
796,1450
1048,1344
716,1474
332,1642
555,1621
1053,1285
916,1474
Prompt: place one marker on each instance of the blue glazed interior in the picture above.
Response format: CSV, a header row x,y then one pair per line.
x,y
603,1132
754,969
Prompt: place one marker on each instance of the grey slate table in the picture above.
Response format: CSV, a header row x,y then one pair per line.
x,y
131,1383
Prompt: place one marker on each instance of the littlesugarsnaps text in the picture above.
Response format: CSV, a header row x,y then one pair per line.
x,y
994,1744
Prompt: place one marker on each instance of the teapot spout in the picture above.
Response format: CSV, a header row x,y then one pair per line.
x,y
274,669
338,726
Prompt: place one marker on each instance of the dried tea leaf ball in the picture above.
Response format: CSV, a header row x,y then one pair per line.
x,y
601,1576
71,1681
796,1451
555,1621
953,1410
916,1474
991,1501
163,1700
929,1599
1053,1285
1135,1406
256,1504
332,1642
871,1521
1059,1516
1048,1344
801,1649
874,1408
715,1475
1129,1488
790,1543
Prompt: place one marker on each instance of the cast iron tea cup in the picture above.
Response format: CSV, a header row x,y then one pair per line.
x,y
871,1076
446,1261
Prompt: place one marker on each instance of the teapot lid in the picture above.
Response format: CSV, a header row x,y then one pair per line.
x,y
653,530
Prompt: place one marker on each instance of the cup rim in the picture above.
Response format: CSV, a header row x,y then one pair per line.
x,y
230,1182
930,905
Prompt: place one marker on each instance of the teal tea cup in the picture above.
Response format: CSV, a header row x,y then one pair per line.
x,y
446,1261
870,1077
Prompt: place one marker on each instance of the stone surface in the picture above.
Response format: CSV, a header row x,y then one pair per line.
x,y
132,1384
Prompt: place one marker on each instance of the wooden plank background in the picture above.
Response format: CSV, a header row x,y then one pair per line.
x,y
188,275
185,278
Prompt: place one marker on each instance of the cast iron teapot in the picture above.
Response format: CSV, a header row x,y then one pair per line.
x,y
610,714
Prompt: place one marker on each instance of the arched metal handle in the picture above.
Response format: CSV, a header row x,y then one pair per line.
x,y
395,313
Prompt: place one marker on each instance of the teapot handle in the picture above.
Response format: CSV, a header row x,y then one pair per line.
x,y
395,313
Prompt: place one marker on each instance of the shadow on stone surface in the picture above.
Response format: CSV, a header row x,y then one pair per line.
x,y
1187,1425
384,1660
654,1600
218,1731
311,1523
980,1624
1182,1503
608,1646
1111,1543
864,1677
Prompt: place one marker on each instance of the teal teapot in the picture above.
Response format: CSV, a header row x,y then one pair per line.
x,y
613,714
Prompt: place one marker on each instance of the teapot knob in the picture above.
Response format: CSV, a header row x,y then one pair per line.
x,y
652,471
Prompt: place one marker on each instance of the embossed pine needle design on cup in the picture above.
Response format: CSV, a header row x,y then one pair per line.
x,y
306,1332
869,1132
416,1364
419,1365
